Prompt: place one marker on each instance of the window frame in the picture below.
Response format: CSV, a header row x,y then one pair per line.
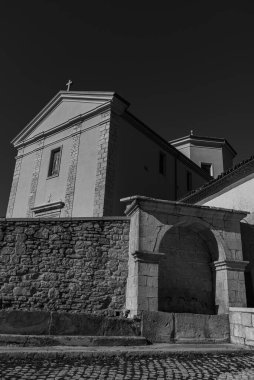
x,y
211,167
162,163
52,152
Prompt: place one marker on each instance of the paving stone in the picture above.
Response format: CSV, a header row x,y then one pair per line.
x,y
178,366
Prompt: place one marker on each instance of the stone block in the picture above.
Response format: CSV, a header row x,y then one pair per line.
x,y
153,303
239,331
146,291
235,317
158,326
246,319
24,322
249,342
236,340
201,327
152,282
249,333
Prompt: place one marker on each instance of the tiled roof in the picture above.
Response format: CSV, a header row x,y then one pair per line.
x,y
239,171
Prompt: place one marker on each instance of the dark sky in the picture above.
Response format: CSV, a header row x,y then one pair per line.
x,y
184,66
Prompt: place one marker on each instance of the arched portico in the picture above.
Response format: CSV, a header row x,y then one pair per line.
x,y
186,282
184,258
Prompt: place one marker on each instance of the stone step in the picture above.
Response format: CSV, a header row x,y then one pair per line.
x,y
68,340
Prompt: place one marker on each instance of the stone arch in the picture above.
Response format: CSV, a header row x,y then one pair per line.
x,y
186,280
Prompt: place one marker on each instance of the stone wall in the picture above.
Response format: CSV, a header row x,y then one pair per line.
x,y
163,327
241,325
68,265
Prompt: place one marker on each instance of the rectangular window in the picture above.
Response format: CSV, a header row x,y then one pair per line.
x,y
162,163
189,181
54,162
207,167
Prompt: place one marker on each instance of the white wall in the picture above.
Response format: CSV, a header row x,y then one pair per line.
x,y
50,190
63,112
86,173
238,196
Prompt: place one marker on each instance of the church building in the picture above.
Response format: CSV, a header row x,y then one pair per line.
x,y
185,244
84,151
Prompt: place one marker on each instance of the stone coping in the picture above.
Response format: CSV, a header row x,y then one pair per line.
x,y
70,219
160,349
143,198
242,309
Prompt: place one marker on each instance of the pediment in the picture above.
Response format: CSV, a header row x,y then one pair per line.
x,y
64,107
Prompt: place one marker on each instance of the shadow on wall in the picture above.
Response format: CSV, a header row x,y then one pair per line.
x,y
247,234
186,279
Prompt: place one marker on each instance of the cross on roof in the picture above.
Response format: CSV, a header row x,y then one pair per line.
x,y
68,84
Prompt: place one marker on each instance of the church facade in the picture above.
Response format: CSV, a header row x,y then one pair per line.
x,y
85,151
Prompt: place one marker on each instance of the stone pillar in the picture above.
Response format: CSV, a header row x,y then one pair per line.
x,y
229,284
142,283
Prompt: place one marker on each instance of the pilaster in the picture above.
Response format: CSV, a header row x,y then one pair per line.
x,y
14,186
142,283
35,178
72,173
105,173
230,284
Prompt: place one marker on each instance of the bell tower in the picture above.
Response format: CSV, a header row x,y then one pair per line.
x,y
213,154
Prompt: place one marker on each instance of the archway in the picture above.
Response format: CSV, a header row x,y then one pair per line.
x,y
186,282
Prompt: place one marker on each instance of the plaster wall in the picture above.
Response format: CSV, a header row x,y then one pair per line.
x,y
86,173
24,183
137,168
53,189
227,159
181,184
64,111
237,197
185,149
208,154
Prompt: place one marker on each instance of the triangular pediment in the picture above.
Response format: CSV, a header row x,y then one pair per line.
x,y
64,107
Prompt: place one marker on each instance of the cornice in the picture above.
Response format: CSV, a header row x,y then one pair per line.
x,y
119,103
203,141
73,121
48,207
165,207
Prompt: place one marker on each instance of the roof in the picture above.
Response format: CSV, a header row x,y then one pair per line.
x,y
204,140
230,177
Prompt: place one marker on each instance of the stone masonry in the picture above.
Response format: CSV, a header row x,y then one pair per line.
x,y
241,325
152,221
71,179
68,265
14,186
35,178
104,185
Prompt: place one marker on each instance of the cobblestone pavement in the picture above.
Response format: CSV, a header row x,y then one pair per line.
x,y
177,366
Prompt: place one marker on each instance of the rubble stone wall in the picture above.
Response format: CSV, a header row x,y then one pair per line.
x,y
65,265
